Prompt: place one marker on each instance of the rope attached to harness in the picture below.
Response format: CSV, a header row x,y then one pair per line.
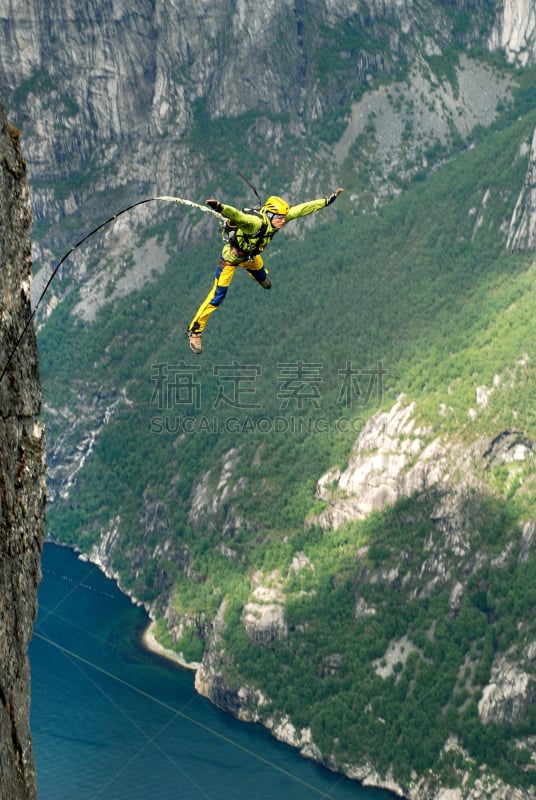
x,y
165,198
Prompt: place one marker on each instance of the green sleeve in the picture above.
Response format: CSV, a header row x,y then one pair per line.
x,y
249,223
303,209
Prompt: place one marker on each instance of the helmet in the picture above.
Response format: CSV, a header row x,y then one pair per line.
x,y
276,205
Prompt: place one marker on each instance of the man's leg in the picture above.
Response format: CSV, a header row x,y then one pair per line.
x,y
216,296
258,271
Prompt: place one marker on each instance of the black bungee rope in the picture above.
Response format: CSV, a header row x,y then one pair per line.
x,y
166,198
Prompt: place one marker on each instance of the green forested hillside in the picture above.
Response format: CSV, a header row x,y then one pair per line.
x,y
419,297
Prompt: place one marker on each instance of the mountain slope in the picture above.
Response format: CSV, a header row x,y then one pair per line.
x,y
245,497
201,511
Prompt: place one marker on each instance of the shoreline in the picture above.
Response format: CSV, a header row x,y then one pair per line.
x,y
148,639
150,643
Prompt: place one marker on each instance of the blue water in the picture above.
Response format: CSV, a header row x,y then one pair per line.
x,y
111,720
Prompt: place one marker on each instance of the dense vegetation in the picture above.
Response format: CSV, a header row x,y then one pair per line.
x,y
419,297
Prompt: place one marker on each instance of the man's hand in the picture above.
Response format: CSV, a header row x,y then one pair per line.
x,y
216,205
331,199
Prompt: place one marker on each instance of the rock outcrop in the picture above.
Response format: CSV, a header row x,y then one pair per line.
x,y
392,458
510,692
263,616
515,31
522,229
22,492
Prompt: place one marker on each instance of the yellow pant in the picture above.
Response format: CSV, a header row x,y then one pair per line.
x,y
224,275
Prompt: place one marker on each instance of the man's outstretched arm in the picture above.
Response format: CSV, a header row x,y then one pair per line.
x,y
312,206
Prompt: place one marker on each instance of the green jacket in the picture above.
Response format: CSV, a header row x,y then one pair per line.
x,y
250,224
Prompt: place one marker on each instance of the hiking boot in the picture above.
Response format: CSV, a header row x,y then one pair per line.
x,y
194,340
266,283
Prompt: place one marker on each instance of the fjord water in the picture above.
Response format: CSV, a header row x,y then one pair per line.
x,y
112,720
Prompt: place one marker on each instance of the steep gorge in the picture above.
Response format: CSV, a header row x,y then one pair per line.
x,y
150,88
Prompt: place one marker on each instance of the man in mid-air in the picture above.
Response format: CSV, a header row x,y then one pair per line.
x,y
247,233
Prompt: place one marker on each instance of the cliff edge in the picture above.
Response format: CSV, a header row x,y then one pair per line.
x,y
22,490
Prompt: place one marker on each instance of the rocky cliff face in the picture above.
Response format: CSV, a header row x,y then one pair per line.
x,y
124,95
522,229
515,31
21,473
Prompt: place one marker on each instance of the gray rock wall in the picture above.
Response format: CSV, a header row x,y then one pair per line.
x,y
114,94
22,491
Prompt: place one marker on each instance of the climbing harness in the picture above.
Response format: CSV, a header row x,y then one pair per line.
x,y
244,244
248,245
